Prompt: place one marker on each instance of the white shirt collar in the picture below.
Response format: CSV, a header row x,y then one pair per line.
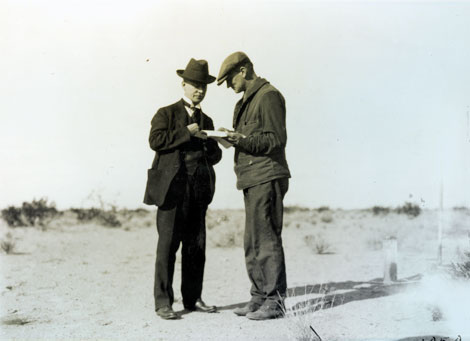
x,y
187,100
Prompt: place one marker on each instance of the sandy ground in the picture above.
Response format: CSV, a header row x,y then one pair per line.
x,y
83,281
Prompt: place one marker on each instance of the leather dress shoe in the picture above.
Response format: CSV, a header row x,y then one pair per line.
x,y
248,308
265,313
167,313
201,306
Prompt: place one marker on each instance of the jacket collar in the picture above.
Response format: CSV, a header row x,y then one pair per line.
x,y
249,93
255,86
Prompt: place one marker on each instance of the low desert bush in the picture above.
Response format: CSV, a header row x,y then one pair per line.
x,y
295,208
317,244
103,217
326,217
37,212
225,228
411,210
323,208
8,244
380,210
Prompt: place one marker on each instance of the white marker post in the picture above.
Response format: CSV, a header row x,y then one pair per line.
x,y
440,225
390,260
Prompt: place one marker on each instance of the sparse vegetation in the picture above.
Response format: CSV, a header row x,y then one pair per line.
x,y
103,217
411,210
16,321
461,269
298,313
8,244
317,244
295,208
326,217
37,212
380,210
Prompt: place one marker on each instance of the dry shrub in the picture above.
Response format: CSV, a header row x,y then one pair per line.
x,y
37,212
8,244
411,210
462,269
225,228
103,217
380,210
326,217
295,209
317,244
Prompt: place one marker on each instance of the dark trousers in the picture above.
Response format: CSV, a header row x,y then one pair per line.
x,y
180,220
264,254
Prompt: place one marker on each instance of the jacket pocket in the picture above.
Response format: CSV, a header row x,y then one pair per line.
x,y
158,183
250,127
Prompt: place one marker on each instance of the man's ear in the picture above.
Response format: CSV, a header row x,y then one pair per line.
x,y
244,71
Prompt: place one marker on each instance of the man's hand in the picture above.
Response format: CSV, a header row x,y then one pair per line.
x,y
193,128
234,137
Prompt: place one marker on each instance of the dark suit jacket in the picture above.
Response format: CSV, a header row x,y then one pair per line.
x,y
167,135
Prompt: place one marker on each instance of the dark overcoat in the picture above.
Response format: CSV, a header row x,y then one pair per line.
x,y
168,135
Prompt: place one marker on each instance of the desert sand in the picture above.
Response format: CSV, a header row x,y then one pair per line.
x,y
69,280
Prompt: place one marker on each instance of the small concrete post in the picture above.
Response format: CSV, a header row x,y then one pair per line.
x,y
390,260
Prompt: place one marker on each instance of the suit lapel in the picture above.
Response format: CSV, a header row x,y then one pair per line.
x,y
181,115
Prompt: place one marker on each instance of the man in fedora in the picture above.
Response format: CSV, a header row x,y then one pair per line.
x,y
181,183
262,173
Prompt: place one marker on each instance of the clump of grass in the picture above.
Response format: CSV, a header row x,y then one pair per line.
x,y
461,269
323,208
317,244
38,212
299,312
411,210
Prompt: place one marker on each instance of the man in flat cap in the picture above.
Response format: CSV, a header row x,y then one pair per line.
x,y
181,183
262,173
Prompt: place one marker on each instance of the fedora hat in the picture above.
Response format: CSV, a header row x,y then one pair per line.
x,y
196,71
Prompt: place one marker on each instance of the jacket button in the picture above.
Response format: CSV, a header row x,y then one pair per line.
x,y
251,162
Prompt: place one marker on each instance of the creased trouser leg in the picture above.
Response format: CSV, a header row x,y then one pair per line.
x,y
264,254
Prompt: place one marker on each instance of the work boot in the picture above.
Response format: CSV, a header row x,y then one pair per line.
x,y
167,313
266,312
248,308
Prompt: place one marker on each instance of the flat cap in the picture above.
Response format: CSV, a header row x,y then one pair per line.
x,y
230,63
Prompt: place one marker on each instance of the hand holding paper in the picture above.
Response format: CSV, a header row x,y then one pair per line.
x,y
224,136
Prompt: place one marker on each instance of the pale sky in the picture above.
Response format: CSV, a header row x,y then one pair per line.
x,y
378,95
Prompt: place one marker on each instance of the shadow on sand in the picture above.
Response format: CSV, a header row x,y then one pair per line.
x,y
334,294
